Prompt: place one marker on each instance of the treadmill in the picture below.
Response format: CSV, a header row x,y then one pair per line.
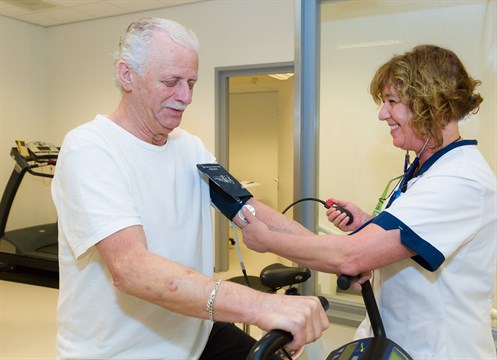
x,y
31,255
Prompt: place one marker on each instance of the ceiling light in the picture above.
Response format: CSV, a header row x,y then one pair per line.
x,y
32,5
370,44
281,76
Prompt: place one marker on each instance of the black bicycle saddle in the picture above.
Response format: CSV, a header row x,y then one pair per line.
x,y
277,275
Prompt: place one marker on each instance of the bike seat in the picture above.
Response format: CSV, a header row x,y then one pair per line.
x,y
277,275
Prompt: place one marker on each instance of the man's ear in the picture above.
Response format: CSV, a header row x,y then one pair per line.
x,y
123,74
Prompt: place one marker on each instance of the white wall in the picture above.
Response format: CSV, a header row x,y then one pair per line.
x,y
56,78
261,141
253,141
357,157
23,111
230,33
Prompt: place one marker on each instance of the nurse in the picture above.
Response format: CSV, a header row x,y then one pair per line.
x,y
433,246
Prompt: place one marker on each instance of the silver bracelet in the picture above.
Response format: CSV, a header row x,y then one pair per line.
x,y
210,302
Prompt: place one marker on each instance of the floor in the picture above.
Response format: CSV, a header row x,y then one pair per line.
x,y
27,316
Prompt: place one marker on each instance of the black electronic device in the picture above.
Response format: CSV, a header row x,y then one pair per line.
x,y
344,210
227,194
358,350
378,347
29,254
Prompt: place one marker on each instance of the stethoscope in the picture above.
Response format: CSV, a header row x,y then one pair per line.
x,y
409,171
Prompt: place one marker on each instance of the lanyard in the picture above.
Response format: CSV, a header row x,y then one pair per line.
x,y
384,196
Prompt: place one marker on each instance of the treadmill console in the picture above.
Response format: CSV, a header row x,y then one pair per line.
x,y
40,150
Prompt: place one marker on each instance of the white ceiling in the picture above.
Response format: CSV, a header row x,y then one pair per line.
x,y
58,12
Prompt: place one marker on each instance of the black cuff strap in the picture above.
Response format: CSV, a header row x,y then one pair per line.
x,y
227,194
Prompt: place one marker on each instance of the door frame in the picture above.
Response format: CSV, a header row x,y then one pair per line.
x,y
222,75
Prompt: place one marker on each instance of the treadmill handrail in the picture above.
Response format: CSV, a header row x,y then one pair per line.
x,y
23,164
21,167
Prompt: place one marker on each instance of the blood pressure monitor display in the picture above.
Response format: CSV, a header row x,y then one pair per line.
x,y
384,349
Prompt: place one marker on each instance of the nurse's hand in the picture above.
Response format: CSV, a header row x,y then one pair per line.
x,y
340,219
256,234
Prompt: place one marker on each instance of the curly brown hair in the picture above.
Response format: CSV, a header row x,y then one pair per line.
x,y
436,85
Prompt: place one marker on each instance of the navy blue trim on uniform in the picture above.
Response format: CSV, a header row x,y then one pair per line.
x,y
427,255
442,152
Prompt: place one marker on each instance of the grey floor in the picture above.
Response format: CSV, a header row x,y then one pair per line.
x,y
28,327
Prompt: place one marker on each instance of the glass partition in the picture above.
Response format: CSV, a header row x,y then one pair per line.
x,y
356,155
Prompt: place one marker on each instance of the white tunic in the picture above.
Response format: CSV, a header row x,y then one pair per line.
x,y
437,304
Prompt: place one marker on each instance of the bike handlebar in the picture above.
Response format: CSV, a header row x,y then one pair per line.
x,y
275,340
345,281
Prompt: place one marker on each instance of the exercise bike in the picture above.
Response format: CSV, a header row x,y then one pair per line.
x,y
228,196
378,347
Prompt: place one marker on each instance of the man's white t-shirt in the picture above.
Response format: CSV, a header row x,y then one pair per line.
x,y
106,180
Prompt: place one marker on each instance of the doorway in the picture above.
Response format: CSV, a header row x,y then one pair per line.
x,y
255,137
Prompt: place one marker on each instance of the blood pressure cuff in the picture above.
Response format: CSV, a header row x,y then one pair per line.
x,y
227,194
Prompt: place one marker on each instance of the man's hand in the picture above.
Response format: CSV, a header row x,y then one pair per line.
x,y
302,316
